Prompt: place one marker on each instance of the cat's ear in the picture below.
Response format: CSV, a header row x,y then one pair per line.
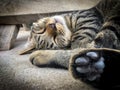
x,y
28,47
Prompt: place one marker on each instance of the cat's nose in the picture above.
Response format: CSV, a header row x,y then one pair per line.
x,y
53,25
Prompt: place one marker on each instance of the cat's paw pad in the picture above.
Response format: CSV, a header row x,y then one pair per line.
x,y
88,66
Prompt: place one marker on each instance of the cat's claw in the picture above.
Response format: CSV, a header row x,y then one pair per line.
x,y
89,66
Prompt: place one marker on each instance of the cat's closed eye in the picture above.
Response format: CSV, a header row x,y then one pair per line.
x,y
52,25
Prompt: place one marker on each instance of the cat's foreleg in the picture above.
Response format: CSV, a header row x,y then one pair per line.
x,y
51,58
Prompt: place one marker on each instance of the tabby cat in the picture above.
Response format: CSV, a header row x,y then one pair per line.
x,y
87,43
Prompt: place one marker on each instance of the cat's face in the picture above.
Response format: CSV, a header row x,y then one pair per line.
x,y
48,27
50,33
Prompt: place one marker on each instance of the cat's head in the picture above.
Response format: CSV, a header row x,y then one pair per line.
x,y
49,33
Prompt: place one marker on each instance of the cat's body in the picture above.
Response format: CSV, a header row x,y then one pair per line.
x,y
98,27
80,29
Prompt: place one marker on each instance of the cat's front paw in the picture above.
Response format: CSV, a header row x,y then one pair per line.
x,y
34,58
39,58
88,66
45,58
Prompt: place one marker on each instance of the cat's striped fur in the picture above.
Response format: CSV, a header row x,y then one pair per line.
x,y
97,27
79,29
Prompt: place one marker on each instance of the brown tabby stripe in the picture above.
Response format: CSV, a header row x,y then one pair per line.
x,y
38,38
78,37
88,34
90,28
113,24
40,32
104,6
112,28
51,46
